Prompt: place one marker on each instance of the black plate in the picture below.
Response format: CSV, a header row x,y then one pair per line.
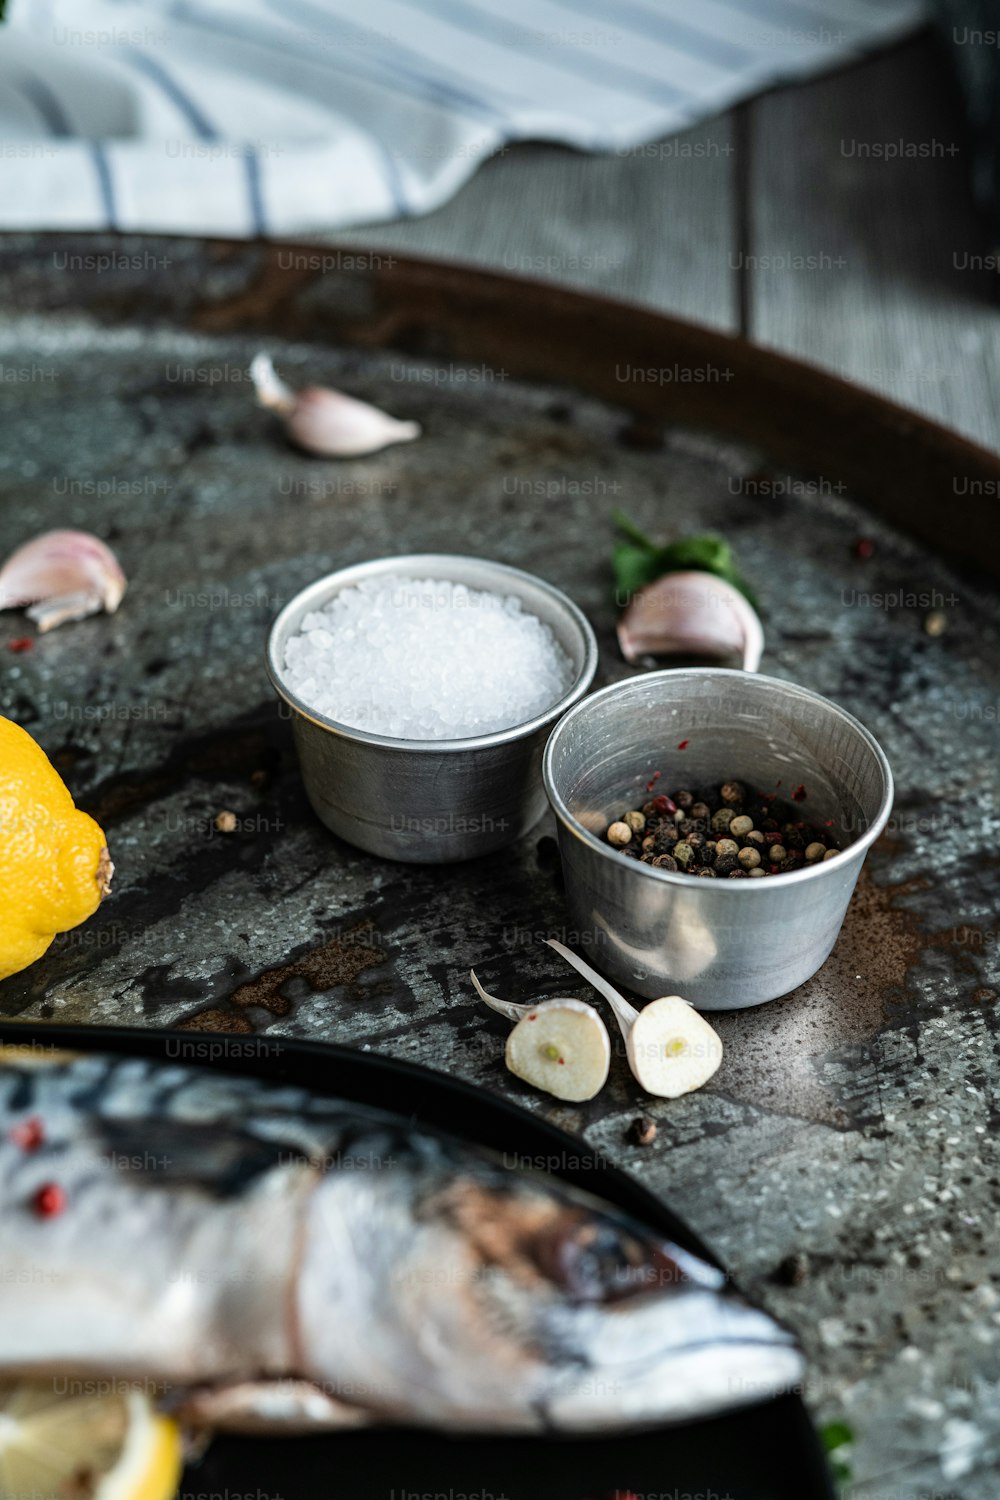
x,y
765,1452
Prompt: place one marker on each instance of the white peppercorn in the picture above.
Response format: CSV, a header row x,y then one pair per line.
x,y
619,834
814,852
635,821
741,826
749,858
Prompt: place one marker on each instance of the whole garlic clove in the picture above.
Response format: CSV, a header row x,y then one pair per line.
x,y
327,422
62,575
691,612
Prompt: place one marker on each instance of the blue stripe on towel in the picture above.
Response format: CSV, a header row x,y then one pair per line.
x,y
432,86
256,35
254,189
46,101
681,36
394,179
484,24
105,183
199,122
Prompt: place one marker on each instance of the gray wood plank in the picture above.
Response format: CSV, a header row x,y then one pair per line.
x,y
868,265
653,225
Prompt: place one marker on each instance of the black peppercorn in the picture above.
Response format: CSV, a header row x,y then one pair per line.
x,y
733,793
737,874
700,810
793,1270
725,864
708,871
683,799
642,1131
665,862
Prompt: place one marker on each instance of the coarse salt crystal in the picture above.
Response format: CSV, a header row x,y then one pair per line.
x,y
426,659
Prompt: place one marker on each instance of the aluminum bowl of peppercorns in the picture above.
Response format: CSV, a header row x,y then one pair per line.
x,y
712,826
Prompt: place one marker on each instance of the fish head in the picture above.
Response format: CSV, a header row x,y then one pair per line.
x,y
496,1301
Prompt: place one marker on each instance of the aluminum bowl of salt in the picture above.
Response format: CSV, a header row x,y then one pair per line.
x,y
421,691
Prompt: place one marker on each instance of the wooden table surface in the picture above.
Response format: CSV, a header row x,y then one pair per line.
x,y
782,220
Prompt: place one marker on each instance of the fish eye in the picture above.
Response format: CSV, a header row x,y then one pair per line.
x,y
604,1261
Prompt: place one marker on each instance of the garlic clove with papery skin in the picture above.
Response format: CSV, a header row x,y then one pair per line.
x,y
62,575
327,423
694,613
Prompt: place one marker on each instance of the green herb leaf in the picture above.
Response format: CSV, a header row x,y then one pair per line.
x,y
637,561
634,567
835,1435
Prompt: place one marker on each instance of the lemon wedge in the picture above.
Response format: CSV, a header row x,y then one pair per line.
x,y
69,1447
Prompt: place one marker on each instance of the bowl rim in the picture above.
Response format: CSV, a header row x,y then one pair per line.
x,y
330,583
675,877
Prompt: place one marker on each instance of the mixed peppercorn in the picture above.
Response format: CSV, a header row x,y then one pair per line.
x,y
731,832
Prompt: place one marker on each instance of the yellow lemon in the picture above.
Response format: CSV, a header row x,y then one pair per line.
x,y
90,1447
54,864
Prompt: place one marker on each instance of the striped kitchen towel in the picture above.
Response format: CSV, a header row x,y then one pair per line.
x,y
276,117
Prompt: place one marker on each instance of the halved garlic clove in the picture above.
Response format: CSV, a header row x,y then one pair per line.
x,y
62,575
694,613
561,1046
671,1049
327,422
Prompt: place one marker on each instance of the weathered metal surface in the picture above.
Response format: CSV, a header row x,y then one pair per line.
x,y
853,1122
